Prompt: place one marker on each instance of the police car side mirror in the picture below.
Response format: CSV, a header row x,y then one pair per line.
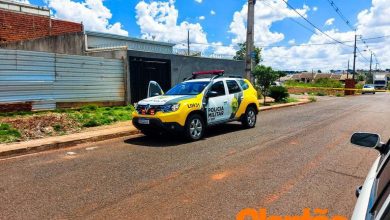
x,y
211,94
366,140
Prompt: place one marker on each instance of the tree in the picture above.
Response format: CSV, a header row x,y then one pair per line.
x,y
241,53
264,77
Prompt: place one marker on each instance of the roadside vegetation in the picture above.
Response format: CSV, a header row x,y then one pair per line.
x,y
324,83
8,134
22,126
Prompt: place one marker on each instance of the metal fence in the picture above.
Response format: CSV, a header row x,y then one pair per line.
x,y
45,79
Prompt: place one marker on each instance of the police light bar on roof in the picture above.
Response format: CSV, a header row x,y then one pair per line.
x,y
210,72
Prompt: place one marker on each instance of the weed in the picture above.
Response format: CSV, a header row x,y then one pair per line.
x,y
312,99
57,127
290,100
8,134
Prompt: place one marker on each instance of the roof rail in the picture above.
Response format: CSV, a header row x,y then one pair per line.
x,y
210,72
235,76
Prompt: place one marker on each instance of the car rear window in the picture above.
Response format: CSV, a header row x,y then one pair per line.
x,y
243,84
233,86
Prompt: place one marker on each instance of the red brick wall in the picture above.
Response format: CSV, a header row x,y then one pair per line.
x,y
16,26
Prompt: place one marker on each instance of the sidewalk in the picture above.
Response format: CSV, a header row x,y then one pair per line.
x,y
120,129
277,106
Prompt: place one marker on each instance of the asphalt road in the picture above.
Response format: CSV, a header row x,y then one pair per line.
x,y
295,158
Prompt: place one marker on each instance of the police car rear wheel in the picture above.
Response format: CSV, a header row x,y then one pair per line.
x,y
194,127
249,119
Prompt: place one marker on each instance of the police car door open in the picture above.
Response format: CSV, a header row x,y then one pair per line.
x,y
154,89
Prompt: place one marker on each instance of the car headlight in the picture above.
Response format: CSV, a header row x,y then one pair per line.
x,y
170,108
175,107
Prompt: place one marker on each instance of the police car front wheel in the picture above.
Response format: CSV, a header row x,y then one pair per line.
x,y
194,127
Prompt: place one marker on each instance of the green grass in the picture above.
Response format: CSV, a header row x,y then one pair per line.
x,y
93,116
8,134
290,100
324,83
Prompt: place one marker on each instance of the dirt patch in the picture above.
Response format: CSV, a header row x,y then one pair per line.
x,y
39,126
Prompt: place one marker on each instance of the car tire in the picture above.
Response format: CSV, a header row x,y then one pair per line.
x,y
194,128
373,93
250,117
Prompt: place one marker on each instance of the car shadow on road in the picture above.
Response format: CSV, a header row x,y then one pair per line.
x,y
170,140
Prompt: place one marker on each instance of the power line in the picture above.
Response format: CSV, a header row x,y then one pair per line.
x,y
338,11
292,19
288,46
296,11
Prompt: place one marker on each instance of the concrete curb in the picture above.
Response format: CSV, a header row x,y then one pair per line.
x,y
267,108
71,140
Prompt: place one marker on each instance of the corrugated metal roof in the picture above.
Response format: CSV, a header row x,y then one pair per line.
x,y
125,38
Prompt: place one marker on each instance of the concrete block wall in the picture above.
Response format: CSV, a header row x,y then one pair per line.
x,y
17,26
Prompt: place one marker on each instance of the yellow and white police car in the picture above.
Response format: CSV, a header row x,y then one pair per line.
x,y
191,106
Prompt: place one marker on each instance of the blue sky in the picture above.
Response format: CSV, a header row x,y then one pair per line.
x,y
275,25
217,27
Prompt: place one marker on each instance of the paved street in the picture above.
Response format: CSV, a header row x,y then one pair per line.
x,y
296,158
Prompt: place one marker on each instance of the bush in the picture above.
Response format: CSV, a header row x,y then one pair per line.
x,y
320,94
279,93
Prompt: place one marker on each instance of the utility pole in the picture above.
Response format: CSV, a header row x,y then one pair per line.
x,y
348,69
354,59
188,42
371,63
250,39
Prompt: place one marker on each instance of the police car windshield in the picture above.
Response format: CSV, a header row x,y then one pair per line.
x,y
188,88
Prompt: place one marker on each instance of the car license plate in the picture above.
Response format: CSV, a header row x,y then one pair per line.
x,y
143,121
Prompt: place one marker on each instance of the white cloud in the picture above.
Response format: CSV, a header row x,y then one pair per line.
x,y
329,22
371,22
94,15
199,1
291,42
202,17
159,20
219,49
212,12
315,8
265,14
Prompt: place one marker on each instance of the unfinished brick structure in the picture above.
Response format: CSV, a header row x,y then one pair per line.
x,y
26,25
